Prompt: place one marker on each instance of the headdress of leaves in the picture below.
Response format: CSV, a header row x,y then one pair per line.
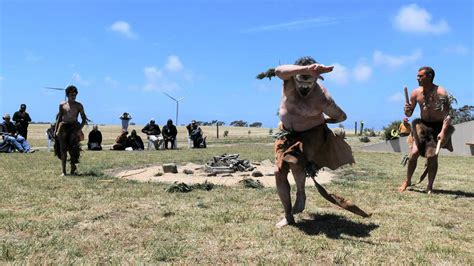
x,y
270,73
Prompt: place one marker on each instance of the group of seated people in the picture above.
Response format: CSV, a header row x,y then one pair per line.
x,y
165,138
157,138
12,140
129,143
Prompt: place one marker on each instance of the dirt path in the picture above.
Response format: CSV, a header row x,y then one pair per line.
x,y
155,174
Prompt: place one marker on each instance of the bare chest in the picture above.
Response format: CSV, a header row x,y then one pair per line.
x,y
305,106
70,110
432,106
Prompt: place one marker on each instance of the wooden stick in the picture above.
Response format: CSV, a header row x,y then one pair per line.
x,y
407,100
438,147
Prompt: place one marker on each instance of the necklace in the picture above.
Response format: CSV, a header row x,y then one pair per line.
x,y
429,98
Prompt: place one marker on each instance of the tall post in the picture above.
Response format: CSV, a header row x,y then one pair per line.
x,y
361,127
217,124
177,107
355,128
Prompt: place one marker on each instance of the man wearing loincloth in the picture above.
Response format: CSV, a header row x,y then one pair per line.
x,y
306,143
433,126
68,131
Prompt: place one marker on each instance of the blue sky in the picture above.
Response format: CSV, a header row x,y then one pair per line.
x,y
123,54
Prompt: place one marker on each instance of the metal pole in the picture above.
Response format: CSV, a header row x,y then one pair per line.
x,y
177,107
217,124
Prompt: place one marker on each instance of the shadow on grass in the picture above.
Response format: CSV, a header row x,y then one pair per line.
x,y
456,193
333,226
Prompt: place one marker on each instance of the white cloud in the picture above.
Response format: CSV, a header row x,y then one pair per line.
x,y
123,28
395,61
152,75
397,97
362,72
413,18
296,25
457,49
77,78
339,75
113,83
173,64
156,81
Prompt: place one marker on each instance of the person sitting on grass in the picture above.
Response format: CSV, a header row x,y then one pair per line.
x,y
121,141
12,140
95,139
135,142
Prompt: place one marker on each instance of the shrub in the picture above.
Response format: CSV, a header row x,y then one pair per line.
x,y
226,133
387,131
370,132
364,139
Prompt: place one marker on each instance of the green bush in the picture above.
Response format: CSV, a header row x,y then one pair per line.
x,y
387,131
370,132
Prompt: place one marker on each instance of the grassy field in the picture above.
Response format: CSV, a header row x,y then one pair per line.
x,y
37,134
94,218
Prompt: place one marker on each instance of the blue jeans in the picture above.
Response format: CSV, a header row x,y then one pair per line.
x,y
18,142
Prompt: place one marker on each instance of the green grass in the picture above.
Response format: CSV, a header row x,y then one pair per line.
x,y
45,218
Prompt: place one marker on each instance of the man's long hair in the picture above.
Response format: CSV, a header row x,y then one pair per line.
x,y
305,61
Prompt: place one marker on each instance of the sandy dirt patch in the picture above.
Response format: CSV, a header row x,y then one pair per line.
x,y
155,174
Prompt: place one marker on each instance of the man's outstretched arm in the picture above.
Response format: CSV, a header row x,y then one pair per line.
x,y
285,72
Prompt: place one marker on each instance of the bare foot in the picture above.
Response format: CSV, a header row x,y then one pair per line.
x,y
429,191
285,222
299,204
63,174
404,186
73,169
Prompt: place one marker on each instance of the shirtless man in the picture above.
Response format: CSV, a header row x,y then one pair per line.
x,y
68,131
433,126
307,140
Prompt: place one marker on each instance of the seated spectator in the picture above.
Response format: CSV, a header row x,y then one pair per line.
x,y
195,134
5,147
50,136
152,130
121,141
95,139
135,141
169,134
12,138
405,128
126,117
